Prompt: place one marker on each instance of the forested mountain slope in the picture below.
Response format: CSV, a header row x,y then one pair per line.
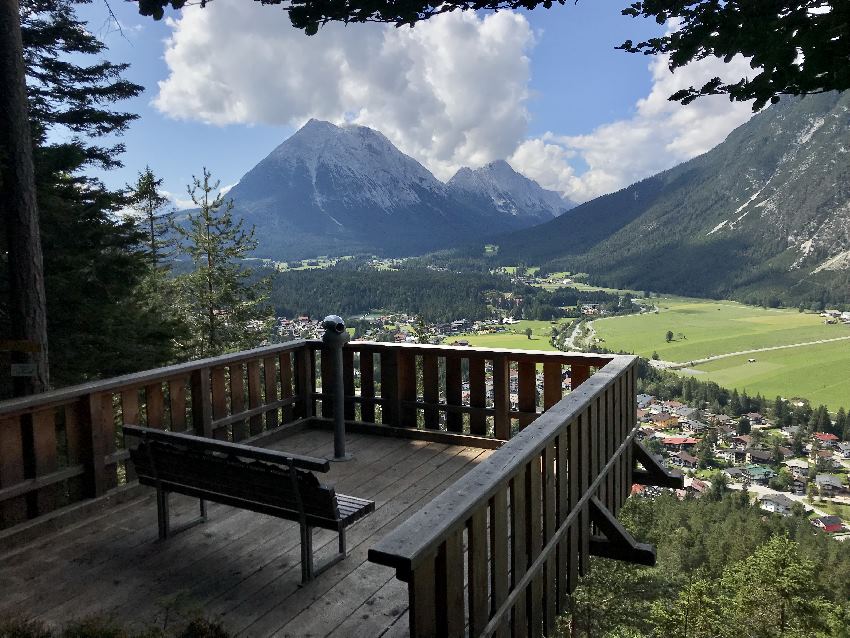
x,y
765,214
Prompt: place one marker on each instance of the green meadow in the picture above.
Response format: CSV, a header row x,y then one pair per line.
x,y
819,373
515,339
704,328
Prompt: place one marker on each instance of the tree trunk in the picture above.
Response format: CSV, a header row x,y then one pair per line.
x,y
27,303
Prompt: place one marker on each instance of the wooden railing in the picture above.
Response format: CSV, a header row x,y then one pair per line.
x,y
65,447
499,551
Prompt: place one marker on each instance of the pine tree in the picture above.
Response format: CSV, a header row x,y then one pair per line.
x,y
144,197
100,324
224,309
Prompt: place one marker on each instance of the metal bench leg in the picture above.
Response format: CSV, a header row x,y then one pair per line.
x,y
203,507
162,513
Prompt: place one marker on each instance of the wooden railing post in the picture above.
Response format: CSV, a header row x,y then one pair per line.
x,y
95,445
201,403
391,411
501,398
11,470
304,387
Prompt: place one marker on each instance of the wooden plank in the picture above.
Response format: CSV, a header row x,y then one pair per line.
x,y
218,387
286,388
454,393
304,382
11,470
501,398
552,391
610,444
431,391
154,405
422,589
584,482
575,460
534,508
550,579
477,396
348,382
579,373
519,550
406,369
201,403
390,411
367,386
255,396
46,459
451,612
177,404
130,407
478,555
326,362
499,549
270,380
77,447
239,429
563,509
527,395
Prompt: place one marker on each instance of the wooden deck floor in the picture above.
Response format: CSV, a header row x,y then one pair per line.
x,y
240,568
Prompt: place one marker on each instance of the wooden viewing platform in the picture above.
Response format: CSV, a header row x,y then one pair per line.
x,y
486,507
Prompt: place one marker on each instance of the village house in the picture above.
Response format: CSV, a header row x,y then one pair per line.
x,y
776,503
735,474
753,456
731,455
689,425
826,439
829,484
687,412
684,460
644,400
799,468
697,487
742,441
844,449
758,474
829,524
678,443
754,418
664,420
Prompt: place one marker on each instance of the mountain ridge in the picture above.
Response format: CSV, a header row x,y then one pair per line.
x,y
764,215
330,190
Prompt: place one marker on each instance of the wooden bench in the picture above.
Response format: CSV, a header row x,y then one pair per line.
x,y
265,481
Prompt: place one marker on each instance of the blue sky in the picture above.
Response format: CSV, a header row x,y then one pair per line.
x,y
545,89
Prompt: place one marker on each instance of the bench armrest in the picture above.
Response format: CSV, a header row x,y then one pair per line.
x,y
236,449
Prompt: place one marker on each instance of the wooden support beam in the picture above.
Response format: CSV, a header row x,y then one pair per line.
x,y
616,543
653,473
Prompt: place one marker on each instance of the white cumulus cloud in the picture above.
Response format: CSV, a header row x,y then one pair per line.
x,y
449,92
659,135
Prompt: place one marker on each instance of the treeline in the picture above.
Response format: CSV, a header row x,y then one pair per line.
x,y
435,296
349,288
725,570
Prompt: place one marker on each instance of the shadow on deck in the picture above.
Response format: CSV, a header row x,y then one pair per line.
x,y
241,568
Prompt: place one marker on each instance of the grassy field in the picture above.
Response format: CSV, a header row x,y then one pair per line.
x,y
515,340
704,328
819,373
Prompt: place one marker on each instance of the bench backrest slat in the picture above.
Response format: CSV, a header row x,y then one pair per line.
x,y
191,441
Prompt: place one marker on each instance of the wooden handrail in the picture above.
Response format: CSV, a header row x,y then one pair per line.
x,y
13,407
422,533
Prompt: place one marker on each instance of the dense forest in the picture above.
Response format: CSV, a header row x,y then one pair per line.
x,y
435,295
726,569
